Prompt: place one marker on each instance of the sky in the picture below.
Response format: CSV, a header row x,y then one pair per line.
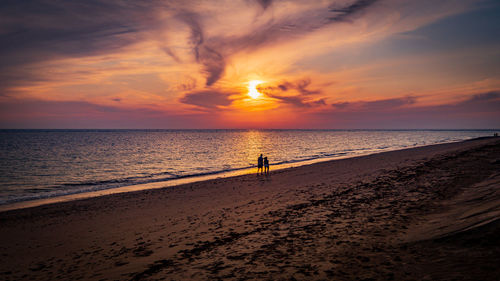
x,y
339,64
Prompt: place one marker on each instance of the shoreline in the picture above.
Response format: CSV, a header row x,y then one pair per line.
x,y
427,213
191,179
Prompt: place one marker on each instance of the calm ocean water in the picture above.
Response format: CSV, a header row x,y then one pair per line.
x,y
37,164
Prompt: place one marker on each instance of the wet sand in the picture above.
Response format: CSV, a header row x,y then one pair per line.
x,y
428,213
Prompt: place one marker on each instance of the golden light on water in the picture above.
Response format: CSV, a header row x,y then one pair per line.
x,y
252,89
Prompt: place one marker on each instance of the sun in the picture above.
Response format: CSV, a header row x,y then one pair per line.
x,y
252,89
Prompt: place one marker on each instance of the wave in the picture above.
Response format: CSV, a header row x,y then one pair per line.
x,y
70,188
93,186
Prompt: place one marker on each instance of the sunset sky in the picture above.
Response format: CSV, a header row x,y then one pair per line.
x,y
340,64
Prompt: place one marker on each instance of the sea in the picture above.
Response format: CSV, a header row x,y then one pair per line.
x,y
38,164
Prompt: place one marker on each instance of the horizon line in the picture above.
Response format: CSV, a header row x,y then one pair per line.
x,y
263,129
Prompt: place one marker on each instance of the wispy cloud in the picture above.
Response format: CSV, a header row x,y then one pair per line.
x,y
36,31
296,93
301,86
43,30
60,114
198,56
478,111
299,101
264,3
377,105
210,99
343,13
212,52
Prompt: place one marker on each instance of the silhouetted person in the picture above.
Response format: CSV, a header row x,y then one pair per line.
x,y
266,165
260,164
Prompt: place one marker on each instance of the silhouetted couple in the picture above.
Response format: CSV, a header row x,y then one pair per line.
x,y
262,165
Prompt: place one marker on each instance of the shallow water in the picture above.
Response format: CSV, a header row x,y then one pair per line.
x,y
38,164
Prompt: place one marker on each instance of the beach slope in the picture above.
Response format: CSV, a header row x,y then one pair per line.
x,y
427,213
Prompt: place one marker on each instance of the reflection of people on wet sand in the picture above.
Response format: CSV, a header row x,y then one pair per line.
x,y
266,165
260,164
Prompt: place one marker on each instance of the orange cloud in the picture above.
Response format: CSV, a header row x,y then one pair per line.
x,y
192,58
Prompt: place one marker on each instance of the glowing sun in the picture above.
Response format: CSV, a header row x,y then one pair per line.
x,y
252,88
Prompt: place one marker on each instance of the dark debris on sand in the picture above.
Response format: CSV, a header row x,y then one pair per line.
x,y
355,232
376,227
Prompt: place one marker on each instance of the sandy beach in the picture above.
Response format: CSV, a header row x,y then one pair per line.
x,y
427,213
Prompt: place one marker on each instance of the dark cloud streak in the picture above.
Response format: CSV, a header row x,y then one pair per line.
x,y
212,52
300,86
301,99
477,111
35,31
213,62
79,114
264,3
384,105
210,99
343,13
